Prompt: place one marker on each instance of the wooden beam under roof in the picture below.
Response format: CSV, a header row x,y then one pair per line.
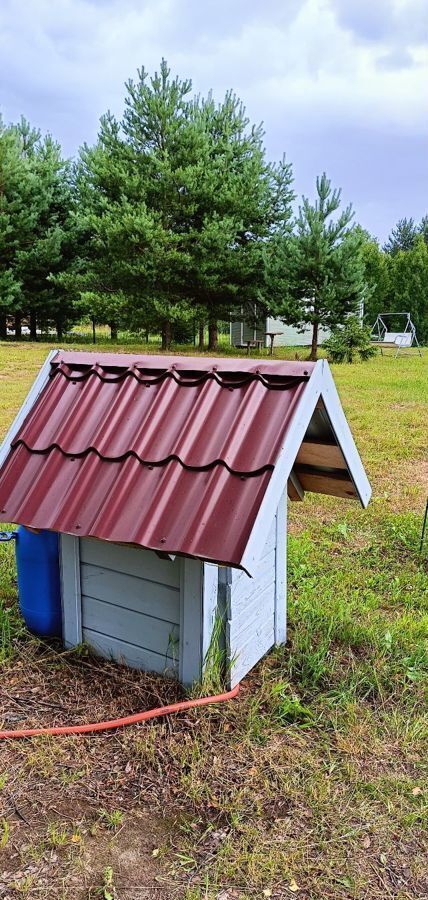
x,y
294,488
317,453
336,483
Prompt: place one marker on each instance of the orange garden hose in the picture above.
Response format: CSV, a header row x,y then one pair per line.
x,y
127,720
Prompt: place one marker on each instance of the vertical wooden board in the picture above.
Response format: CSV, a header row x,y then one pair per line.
x,y
261,641
209,605
192,578
251,602
71,596
246,587
281,572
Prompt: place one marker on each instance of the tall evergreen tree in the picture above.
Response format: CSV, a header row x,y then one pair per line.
x,y
51,244
423,228
241,201
175,201
402,237
34,227
16,220
316,276
132,192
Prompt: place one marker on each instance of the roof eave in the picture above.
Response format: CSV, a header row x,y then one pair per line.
x,y
36,388
320,385
343,435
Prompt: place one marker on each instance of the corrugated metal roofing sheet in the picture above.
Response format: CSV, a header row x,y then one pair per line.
x,y
198,420
206,513
174,454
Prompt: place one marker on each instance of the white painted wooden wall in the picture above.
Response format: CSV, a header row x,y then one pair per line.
x,y
158,614
294,337
256,607
129,605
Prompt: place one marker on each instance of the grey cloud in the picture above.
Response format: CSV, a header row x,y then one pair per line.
x,y
213,19
384,20
368,19
64,64
398,58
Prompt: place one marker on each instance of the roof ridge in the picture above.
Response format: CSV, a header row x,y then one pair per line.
x,y
229,379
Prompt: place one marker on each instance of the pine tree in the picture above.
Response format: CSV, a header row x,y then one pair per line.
x,y
423,228
175,204
132,194
402,237
15,221
316,276
34,227
51,234
240,201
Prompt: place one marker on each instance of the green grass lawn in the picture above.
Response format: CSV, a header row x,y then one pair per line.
x,y
314,782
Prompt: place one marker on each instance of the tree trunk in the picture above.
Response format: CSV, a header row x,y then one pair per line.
x,y
3,327
201,336
147,336
113,331
314,344
33,325
94,333
212,334
18,326
59,328
166,334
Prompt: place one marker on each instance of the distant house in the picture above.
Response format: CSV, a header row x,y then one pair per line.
x,y
288,336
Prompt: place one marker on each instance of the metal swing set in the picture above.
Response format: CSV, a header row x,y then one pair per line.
x,y
401,341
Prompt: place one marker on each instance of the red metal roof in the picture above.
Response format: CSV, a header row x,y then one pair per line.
x,y
171,453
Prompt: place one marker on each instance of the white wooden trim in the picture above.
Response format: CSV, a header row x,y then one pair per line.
x,y
209,606
198,606
281,572
343,435
35,389
191,595
286,457
71,594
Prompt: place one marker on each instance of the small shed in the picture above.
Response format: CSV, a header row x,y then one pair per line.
x,y
167,479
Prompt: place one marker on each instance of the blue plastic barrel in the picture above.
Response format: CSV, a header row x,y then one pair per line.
x,y
37,562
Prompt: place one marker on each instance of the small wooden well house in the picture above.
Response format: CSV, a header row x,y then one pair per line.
x,y
167,479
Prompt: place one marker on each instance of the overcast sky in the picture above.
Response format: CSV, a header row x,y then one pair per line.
x,y
340,85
